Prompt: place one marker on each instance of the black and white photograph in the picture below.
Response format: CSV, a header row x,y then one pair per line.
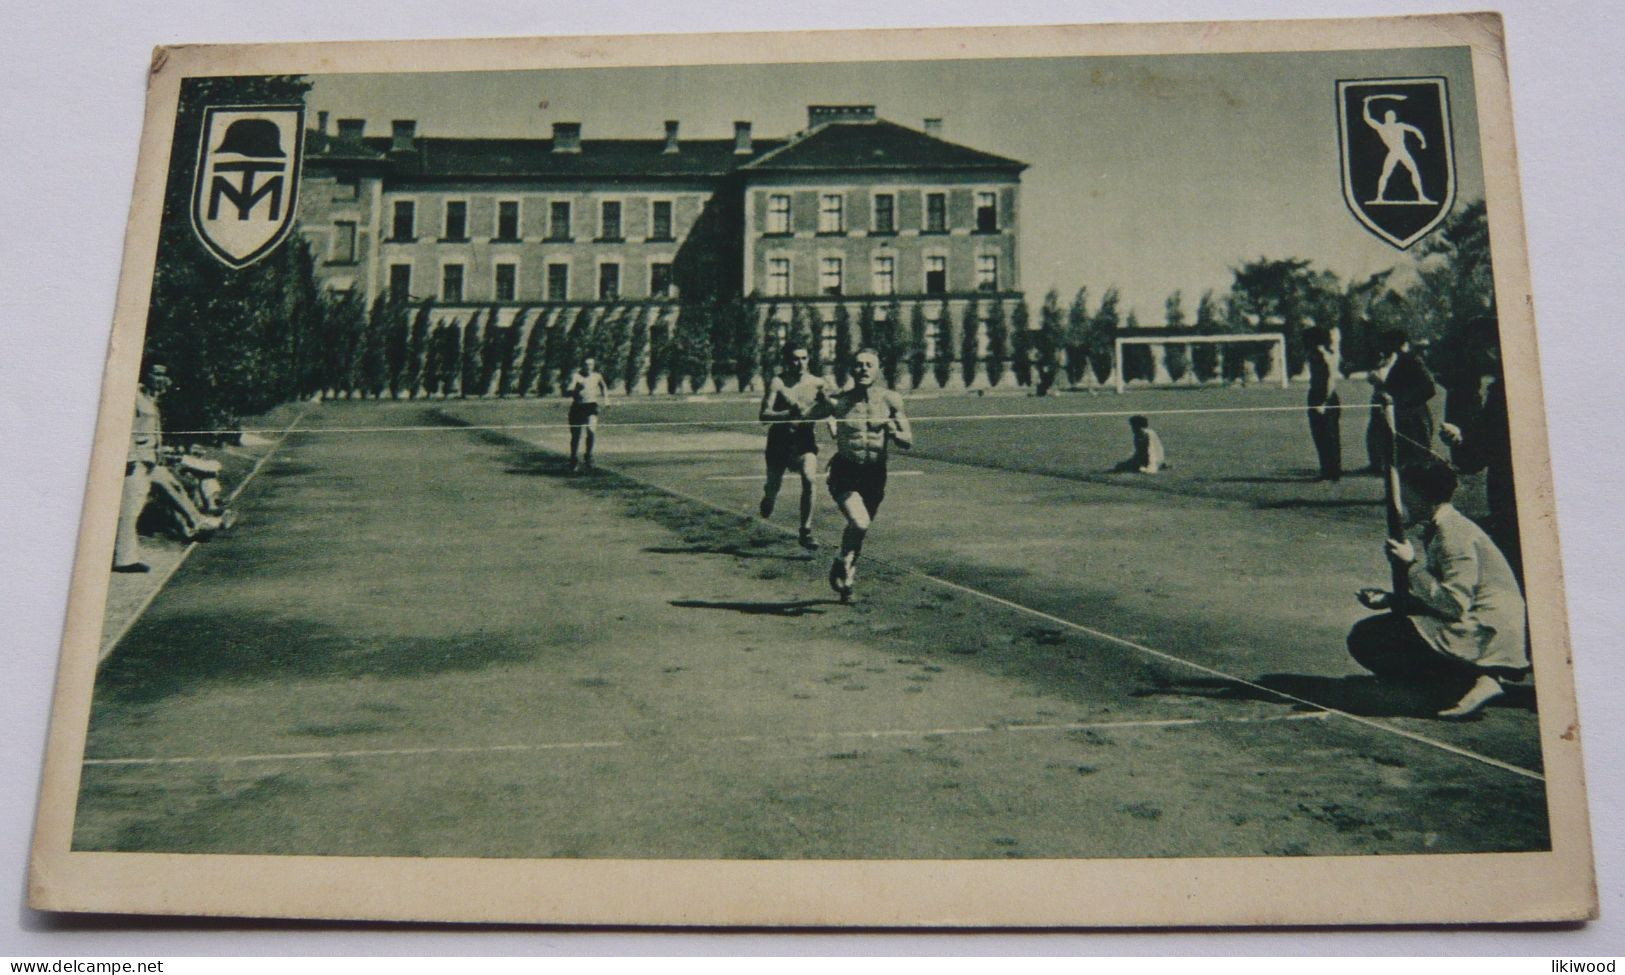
x,y
1035,477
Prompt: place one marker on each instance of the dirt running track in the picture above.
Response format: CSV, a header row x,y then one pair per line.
x,y
442,644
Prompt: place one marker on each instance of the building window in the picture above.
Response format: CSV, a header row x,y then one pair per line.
x,y
778,276
885,275
831,214
660,280
936,213
987,213
451,283
343,249
558,220
347,189
987,272
829,276
778,213
400,280
660,220
558,282
456,220
885,213
508,220
609,282
404,225
936,275
507,281
609,220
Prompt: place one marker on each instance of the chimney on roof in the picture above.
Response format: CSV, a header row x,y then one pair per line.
x,y
822,114
671,135
742,138
566,136
933,128
321,122
352,129
403,135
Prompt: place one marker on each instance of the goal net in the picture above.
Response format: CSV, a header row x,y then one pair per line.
x,y
1198,359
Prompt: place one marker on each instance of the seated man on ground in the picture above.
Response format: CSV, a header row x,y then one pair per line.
x,y
1462,624
1148,454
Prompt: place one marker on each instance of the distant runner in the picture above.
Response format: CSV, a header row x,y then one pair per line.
x,y
792,440
587,391
865,422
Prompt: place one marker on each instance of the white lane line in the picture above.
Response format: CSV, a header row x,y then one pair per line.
x,y
1142,648
162,581
563,746
758,477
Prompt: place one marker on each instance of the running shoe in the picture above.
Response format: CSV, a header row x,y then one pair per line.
x,y
806,539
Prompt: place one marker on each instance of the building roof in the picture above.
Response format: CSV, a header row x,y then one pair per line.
x,y
876,145
435,158
835,146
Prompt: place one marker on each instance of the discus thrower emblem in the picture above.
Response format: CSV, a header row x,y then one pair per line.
x,y
1398,161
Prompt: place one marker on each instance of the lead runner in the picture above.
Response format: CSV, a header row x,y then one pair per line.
x,y
865,422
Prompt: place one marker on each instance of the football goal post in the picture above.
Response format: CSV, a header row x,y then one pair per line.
x,y
1160,346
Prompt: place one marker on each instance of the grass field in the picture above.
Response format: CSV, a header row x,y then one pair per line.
x,y
434,640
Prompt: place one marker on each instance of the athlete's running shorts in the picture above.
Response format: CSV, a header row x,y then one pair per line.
x,y
786,442
580,412
867,480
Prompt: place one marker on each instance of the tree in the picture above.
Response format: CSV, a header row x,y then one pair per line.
x,y
1049,344
1021,344
610,342
1205,357
1137,361
1102,335
1078,324
1455,286
507,371
970,341
416,346
397,336
747,340
554,324
692,353
493,351
451,356
373,378
998,343
807,328
637,347
1280,294
891,342
943,366
842,323
916,345
1175,356
532,361
470,367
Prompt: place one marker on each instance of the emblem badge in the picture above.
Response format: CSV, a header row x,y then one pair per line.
x,y
247,181
1399,166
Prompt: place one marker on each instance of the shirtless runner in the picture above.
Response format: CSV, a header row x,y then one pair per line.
x,y
865,421
792,440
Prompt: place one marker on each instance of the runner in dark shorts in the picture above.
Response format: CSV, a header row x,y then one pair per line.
x,y
865,422
792,440
587,391
867,481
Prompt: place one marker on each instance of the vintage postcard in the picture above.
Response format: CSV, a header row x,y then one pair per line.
x,y
1054,476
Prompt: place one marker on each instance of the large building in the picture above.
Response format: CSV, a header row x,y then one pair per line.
x,y
854,209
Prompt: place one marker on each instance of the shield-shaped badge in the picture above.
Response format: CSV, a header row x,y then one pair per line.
x,y
1399,167
247,181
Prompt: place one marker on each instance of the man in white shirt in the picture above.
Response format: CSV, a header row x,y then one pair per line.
x,y
1463,613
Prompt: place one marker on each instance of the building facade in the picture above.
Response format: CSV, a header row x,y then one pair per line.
x,y
854,210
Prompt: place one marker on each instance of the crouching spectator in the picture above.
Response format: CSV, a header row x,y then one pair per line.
x,y
146,479
1462,627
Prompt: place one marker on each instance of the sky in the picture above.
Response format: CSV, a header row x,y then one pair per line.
x,y
1150,174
